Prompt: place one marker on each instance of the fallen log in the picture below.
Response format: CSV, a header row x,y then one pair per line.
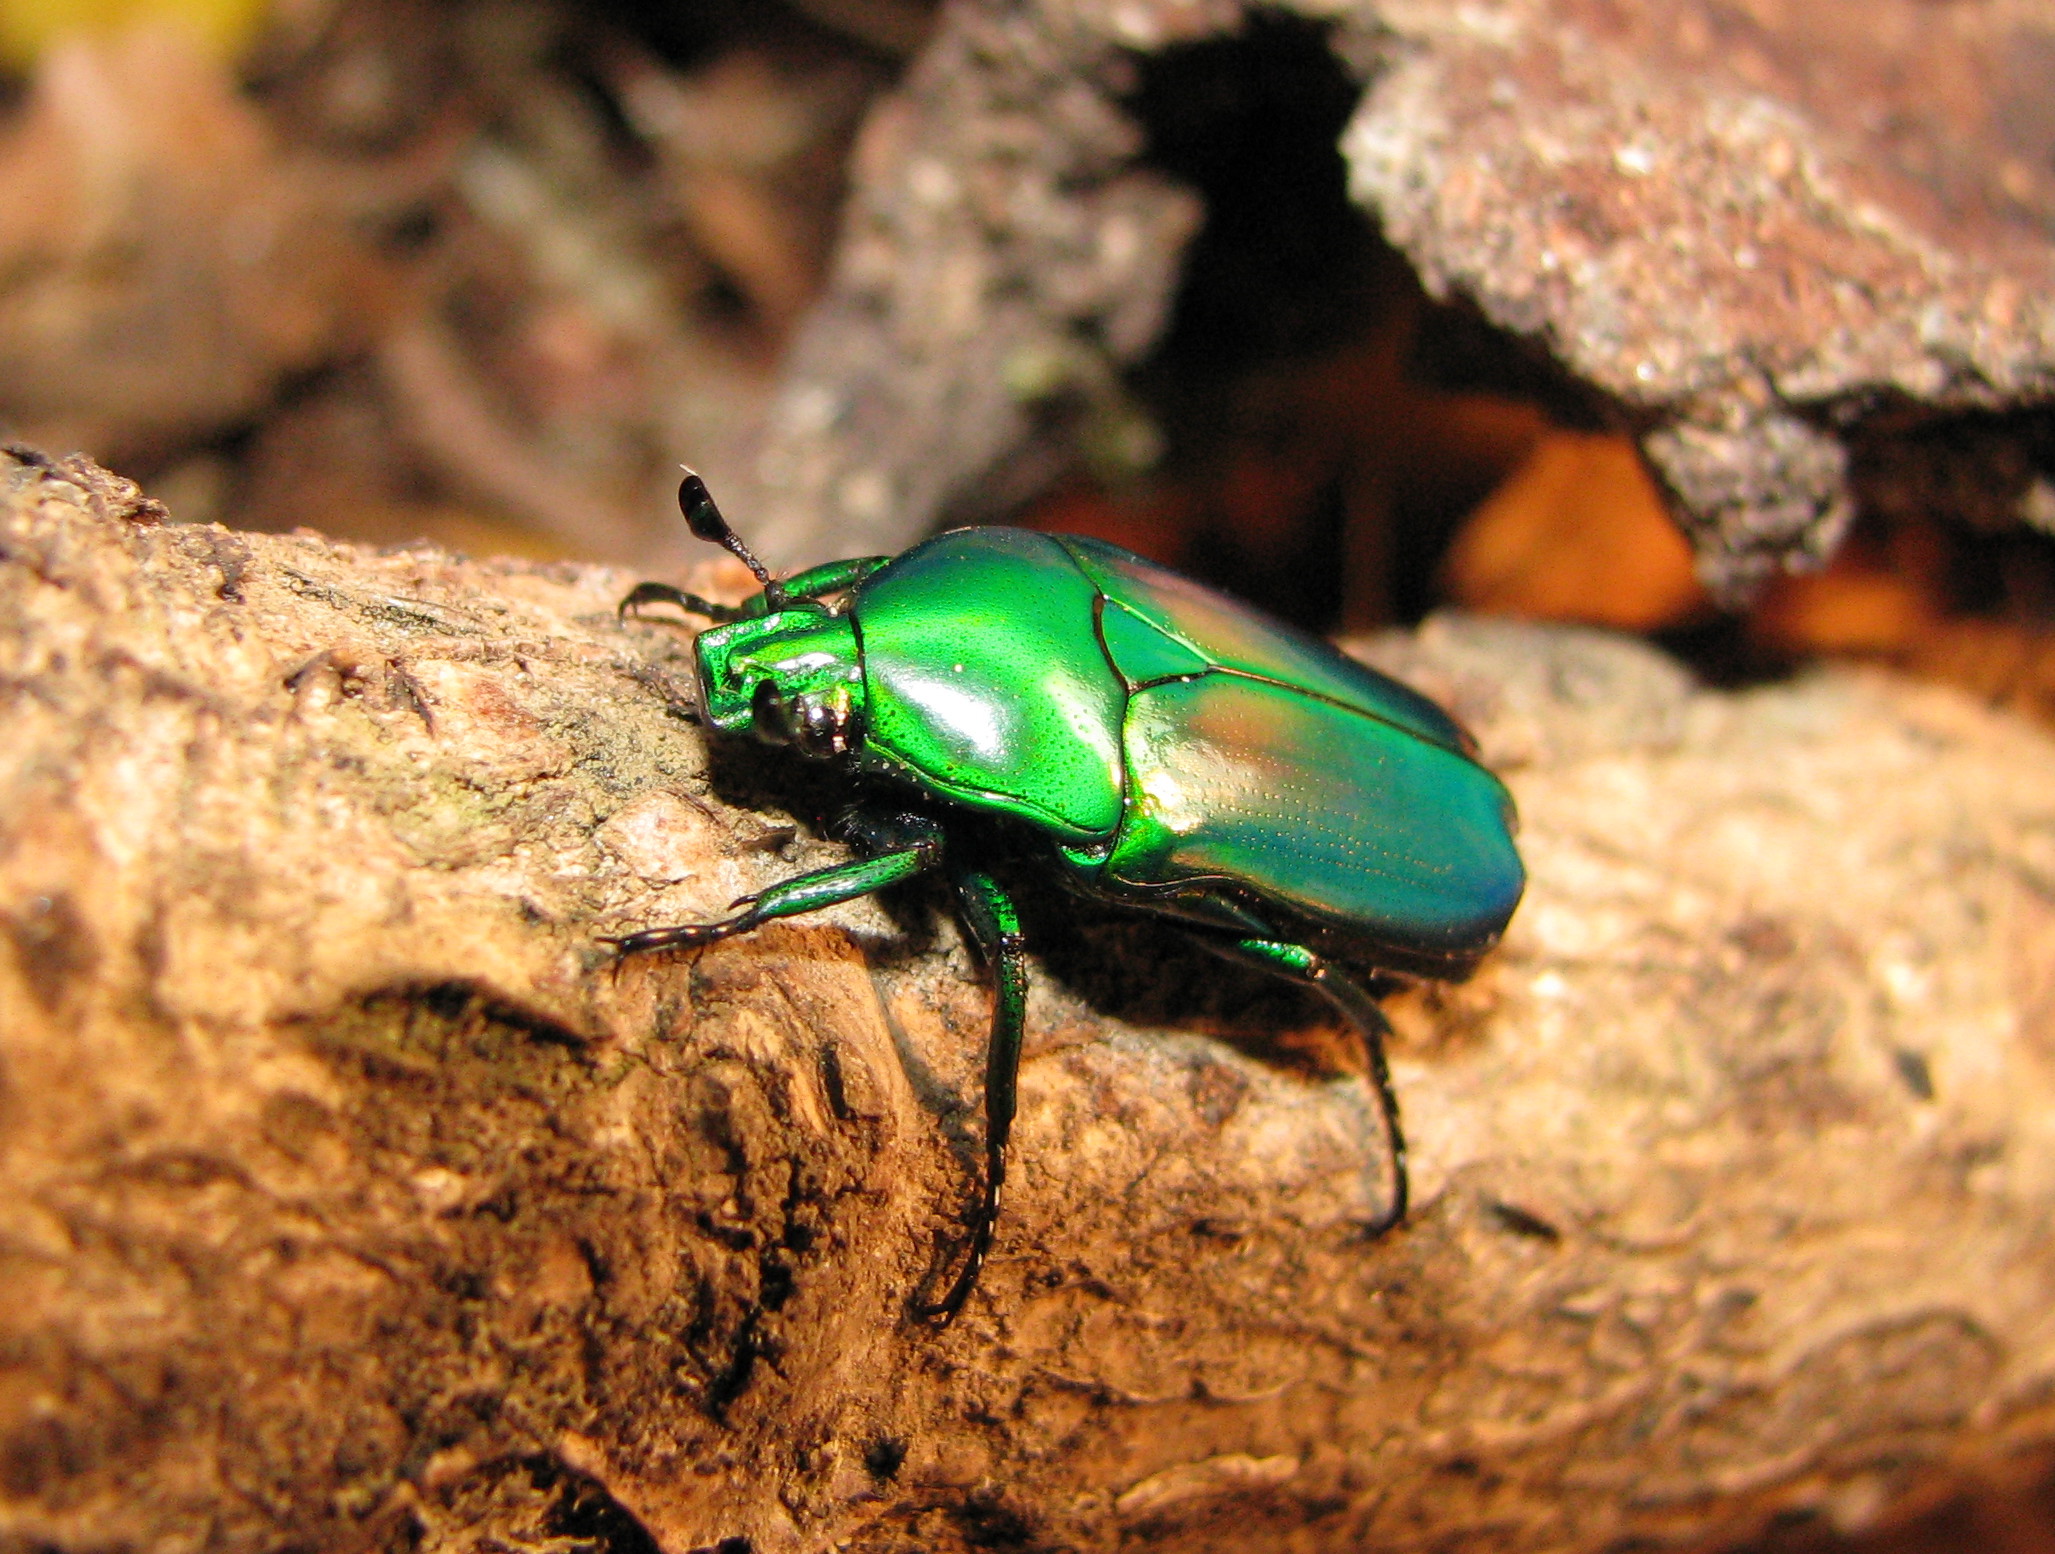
x,y
352,1195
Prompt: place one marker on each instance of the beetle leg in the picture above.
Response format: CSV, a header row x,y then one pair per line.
x,y
831,577
788,898
1309,969
664,593
995,923
874,830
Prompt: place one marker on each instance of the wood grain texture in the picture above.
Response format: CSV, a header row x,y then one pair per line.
x,y
351,1197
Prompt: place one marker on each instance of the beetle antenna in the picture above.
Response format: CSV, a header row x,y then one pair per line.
x,y
704,519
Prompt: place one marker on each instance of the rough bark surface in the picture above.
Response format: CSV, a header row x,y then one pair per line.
x,y
1777,241
351,1198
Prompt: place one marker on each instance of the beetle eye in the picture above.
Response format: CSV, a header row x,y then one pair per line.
x,y
767,715
823,727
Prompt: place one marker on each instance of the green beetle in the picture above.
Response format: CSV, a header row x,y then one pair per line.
x,y
1159,744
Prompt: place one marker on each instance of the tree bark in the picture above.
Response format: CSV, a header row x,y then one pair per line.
x,y
354,1196
1803,252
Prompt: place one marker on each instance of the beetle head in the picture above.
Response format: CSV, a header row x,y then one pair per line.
x,y
790,678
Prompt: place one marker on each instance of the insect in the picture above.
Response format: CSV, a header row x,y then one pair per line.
x,y
1155,744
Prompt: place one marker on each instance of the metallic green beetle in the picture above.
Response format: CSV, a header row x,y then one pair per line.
x,y
1160,745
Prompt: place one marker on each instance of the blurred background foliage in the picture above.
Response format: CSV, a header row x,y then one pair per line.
x,y
485,271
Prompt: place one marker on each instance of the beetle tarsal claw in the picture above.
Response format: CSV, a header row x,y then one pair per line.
x,y
945,1311
684,936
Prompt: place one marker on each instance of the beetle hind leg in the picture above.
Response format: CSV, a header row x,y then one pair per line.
x,y
1308,968
995,923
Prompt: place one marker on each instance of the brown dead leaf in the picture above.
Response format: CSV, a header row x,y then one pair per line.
x,y
1577,533
162,265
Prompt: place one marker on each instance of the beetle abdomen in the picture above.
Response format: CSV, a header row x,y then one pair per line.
x,y
1332,814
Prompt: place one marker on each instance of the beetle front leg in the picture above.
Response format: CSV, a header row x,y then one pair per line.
x,y
995,923
664,593
915,852
831,577
1310,969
